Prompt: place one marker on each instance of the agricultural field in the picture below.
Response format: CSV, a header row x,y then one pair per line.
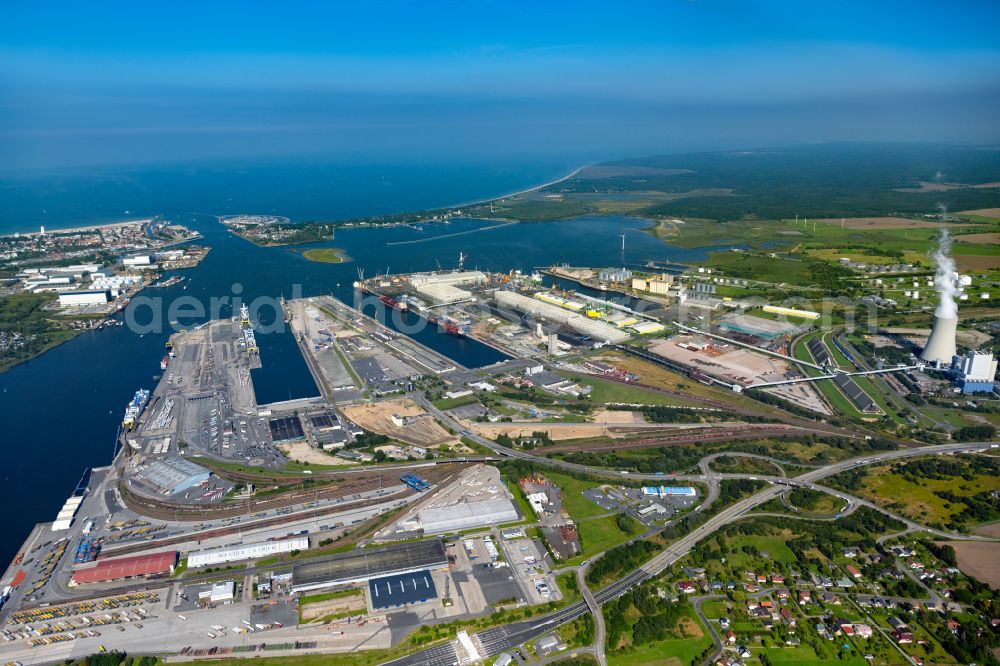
x,y
979,559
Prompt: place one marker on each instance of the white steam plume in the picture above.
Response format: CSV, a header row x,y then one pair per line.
x,y
945,278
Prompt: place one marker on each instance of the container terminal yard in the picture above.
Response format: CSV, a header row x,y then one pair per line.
x,y
350,520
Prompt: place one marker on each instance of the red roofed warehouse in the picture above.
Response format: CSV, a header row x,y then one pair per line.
x,y
127,567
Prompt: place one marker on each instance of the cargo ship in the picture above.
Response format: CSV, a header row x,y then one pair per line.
x,y
134,408
164,362
391,302
452,327
249,339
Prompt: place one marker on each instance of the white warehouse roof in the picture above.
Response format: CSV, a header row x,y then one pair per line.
x,y
443,294
246,551
440,287
463,516
593,328
455,277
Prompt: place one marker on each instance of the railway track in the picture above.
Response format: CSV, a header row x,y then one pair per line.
x,y
326,489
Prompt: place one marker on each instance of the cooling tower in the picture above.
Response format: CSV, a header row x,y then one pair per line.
x,y
941,344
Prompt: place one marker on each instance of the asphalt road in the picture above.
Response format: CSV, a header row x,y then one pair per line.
x,y
506,637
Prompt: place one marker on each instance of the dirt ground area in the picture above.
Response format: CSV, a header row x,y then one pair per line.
x,y
341,605
980,239
377,417
561,432
969,338
300,451
733,364
616,417
690,628
992,530
969,262
983,212
557,431
881,223
980,559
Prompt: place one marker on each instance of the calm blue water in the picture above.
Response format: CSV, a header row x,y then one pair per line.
x,y
61,411
301,190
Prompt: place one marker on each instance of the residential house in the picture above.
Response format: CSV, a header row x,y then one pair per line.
x,y
902,637
896,623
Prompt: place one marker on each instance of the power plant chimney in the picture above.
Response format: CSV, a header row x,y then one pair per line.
x,y
940,346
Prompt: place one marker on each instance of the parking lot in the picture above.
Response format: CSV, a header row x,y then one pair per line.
x,y
529,564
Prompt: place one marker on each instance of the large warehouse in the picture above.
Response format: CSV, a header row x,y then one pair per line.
x,y
463,516
173,475
362,565
246,551
76,298
127,567
401,590
593,328
441,287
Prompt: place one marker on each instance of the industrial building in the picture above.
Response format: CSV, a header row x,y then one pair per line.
x,y
767,329
592,328
173,475
247,551
463,516
139,260
360,566
156,564
614,274
861,400
790,312
222,592
80,298
669,491
940,348
660,285
402,589
442,288
855,394
647,327
975,372
67,513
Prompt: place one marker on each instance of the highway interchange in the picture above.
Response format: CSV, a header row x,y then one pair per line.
x,y
507,637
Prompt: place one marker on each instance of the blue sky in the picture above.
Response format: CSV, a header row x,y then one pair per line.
x,y
109,82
